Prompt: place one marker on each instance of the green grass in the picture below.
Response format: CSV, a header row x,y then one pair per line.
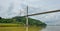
x,y
10,25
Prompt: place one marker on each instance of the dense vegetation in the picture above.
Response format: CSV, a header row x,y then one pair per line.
x,y
22,20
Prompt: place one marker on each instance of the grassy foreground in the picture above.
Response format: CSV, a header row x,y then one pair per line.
x,y
10,25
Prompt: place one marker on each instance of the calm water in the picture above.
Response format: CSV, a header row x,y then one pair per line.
x,y
12,28
48,28
51,28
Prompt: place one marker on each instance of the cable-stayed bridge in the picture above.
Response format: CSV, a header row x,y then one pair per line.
x,y
43,13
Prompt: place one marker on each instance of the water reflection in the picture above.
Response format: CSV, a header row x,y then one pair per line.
x,y
12,28
52,28
32,28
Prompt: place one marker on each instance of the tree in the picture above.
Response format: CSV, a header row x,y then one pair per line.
x,y
0,17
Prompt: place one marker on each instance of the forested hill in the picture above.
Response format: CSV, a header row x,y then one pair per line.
x,y
22,20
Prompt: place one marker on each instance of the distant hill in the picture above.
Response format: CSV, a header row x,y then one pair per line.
x,y
22,20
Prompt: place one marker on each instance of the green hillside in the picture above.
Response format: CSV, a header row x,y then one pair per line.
x,y
22,20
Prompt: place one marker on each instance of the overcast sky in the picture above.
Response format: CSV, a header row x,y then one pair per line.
x,y
11,8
